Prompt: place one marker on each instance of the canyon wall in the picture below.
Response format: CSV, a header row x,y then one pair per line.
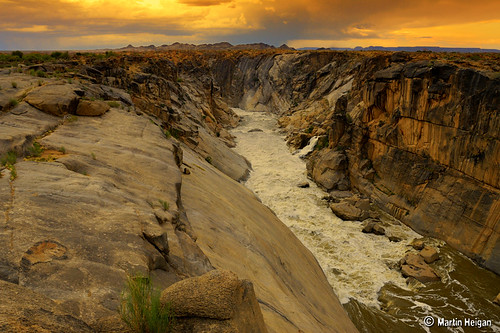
x,y
420,134
419,131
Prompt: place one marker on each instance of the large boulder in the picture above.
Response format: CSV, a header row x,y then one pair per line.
x,y
429,254
217,300
54,99
328,169
92,108
347,211
415,266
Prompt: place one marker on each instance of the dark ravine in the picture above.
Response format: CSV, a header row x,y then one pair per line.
x,y
419,135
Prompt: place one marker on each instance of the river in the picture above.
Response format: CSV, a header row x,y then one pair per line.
x,y
358,265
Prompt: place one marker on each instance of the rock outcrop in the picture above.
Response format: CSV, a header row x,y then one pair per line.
x,y
216,301
113,201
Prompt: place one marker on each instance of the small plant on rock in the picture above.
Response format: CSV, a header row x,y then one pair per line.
x,y
141,308
62,150
14,85
13,102
114,104
165,205
8,160
167,134
36,150
208,159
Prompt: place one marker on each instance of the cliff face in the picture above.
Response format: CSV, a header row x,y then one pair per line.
x,y
431,134
421,136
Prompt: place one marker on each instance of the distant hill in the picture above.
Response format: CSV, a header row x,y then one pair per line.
x,y
407,49
215,46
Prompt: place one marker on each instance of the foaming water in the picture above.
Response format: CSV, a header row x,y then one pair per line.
x,y
357,265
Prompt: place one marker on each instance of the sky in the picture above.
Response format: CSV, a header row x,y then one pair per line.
x,y
93,24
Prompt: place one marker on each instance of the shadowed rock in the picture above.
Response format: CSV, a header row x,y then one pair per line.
x,y
92,108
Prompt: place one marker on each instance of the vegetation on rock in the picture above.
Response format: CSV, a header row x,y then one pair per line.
x,y
141,308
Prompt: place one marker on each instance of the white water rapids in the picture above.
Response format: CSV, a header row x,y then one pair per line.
x,y
355,263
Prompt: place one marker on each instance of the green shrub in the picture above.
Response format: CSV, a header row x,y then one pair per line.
x,y
141,309
17,54
167,134
165,205
14,84
322,143
62,150
13,102
59,55
36,150
114,104
9,159
208,159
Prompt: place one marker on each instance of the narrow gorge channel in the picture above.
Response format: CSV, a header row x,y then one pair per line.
x,y
362,268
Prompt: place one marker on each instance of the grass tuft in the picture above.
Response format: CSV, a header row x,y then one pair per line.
x,y
12,103
114,104
36,150
165,205
8,160
141,309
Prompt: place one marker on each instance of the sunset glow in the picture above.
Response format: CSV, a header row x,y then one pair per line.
x,y
88,24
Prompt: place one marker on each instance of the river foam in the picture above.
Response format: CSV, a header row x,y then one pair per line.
x,y
356,264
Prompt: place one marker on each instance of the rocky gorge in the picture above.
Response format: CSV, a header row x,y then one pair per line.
x,y
136,173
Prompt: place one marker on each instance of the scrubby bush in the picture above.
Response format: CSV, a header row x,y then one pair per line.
x,y
18,54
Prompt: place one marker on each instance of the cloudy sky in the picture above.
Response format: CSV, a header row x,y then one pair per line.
x,y
89,24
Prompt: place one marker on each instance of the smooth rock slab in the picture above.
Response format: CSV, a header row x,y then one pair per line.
x,y
55,99
22,310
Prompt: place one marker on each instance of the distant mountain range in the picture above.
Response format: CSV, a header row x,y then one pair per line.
x,y
263,46
215,46
407,49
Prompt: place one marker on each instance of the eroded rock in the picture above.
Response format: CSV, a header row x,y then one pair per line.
x,y
228,303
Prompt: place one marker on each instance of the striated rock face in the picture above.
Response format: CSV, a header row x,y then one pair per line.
x,y
430,132
421,139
